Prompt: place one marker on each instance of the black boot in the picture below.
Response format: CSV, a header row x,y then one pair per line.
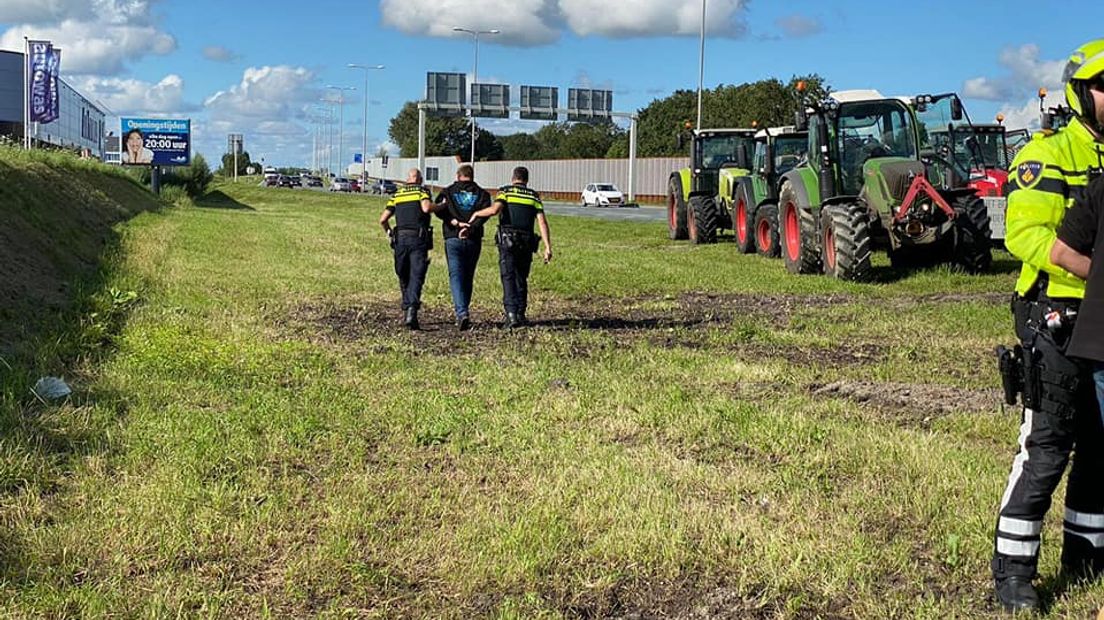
x,y
512,320
463,323
522,320
411,320
1016,594
1080,560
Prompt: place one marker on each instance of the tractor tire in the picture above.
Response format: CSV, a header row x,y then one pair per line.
x,y
766,231
743,219
845,241
676,211
703,216
973,235
798,233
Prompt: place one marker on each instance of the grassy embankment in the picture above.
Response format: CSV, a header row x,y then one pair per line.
x,y
687,433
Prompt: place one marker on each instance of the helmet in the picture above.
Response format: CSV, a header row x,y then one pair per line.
x,y
1086,63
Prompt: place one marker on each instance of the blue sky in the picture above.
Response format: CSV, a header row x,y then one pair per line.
x,y
260,67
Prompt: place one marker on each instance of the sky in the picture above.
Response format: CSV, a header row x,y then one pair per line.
x,y
261,68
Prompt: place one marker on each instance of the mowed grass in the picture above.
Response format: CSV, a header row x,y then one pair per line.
x,y
265,441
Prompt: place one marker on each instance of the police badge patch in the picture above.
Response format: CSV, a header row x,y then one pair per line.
x,y
1029,173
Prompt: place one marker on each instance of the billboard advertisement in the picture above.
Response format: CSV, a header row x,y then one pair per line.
x,y
156,142
43,67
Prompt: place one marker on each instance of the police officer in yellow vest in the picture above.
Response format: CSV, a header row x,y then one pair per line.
x,y
1059,409
518,208
411,239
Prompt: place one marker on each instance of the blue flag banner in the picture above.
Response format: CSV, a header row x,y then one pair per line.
x,y
43,68
358,158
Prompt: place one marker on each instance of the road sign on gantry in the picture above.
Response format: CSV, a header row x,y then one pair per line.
x,y
587,104
446,93
539,103
490,100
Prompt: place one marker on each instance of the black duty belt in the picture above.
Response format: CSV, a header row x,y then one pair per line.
x,y
411,232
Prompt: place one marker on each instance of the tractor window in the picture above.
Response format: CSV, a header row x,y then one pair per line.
x,y
715,151
759,160
788,153
813,142
992,149
868,130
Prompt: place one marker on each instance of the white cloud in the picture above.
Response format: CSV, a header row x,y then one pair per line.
x,y
798,25
1027,115
270,106
982,88
97,37
1024,72
128,97
219,53
264,94
652,18
539,22
51,11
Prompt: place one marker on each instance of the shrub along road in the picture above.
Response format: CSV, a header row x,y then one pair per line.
x,y
686,432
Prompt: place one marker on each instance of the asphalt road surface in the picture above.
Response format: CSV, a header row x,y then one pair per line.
x,y
624,214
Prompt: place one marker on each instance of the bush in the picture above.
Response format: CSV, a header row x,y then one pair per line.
x,y
175,195
193,178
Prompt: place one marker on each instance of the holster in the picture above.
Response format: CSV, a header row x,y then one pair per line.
x,y
421,233
515,239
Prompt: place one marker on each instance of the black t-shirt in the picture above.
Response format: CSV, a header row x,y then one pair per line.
x,y
522,206
406,204
1081,230
462,199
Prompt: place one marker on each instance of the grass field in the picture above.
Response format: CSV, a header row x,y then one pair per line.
x,y
684,433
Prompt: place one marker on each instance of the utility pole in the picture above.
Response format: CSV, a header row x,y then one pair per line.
x,y
364,140
341,121
701,65
475,78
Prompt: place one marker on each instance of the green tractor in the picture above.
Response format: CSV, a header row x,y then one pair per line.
x,y
754,197
695,207
865,186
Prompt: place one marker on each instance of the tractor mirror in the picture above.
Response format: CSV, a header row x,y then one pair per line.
x,y
743,159
956,109
681,139
801,118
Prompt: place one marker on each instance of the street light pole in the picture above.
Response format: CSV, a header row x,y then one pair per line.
x,y
475,78
341,120
701,65
364,144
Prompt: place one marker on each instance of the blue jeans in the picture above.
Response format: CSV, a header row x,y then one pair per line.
x,y
1098,377
462,256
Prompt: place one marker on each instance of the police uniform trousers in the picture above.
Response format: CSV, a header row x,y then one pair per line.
x,y
514,264
411,265
1060,419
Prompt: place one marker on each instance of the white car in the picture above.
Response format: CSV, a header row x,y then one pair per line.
x,y
341,185
602,195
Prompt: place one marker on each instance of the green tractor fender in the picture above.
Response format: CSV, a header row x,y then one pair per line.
x,y
805,187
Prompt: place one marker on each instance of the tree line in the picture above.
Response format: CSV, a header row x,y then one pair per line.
x,y
765,103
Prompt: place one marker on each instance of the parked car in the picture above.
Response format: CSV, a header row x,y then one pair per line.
x,y
284,181
313,181
341,184
602,195
354,185
271,180
383,186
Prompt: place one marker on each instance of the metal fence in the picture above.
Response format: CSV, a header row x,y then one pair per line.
x,y
562,179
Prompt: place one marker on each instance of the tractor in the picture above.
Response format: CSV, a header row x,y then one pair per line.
x,y
695,209
865,185
755,196
959,153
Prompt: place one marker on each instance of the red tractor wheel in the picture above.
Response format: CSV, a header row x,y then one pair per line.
x,y
800,243
766,231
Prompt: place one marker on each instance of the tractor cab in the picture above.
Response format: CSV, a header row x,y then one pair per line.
x,y
777,151
713,149
856,133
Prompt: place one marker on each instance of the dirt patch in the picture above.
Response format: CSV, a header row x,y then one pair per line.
x,y
915,403
682,598
684,322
